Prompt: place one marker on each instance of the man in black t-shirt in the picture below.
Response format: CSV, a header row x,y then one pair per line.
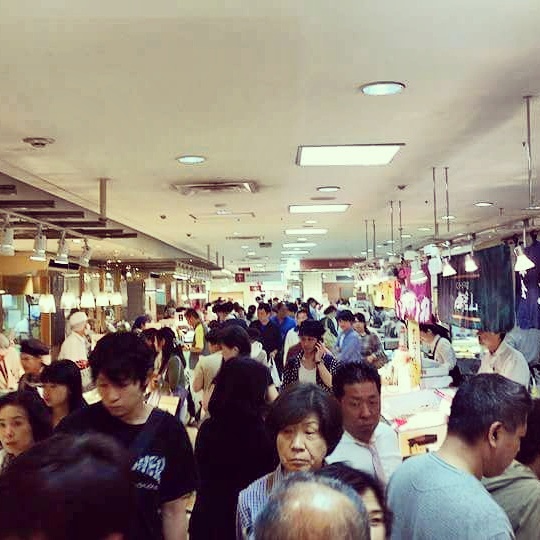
x,y
270,334
163,470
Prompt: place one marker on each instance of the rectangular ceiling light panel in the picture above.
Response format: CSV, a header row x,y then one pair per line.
x,y
300,232
318,208
296,252
349,154
299,245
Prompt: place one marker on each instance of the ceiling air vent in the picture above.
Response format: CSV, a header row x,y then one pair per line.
x,y
244,238
213,188
265,244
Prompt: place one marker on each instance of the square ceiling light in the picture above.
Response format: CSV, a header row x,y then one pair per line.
x,y
305,231
317,208
349,154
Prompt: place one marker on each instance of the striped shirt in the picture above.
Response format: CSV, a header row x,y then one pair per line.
x,y
252,500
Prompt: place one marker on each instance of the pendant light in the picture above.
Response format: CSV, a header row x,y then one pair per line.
x,y
6,247
102,299
46,303
68,300
418,277
523,263
62,255
470,263
40,246
448,269
87,300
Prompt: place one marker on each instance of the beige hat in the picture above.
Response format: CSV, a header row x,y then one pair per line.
x,y
77,318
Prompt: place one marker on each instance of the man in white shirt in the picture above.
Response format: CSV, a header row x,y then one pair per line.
x,y
207,368
368,443
75,346
503,359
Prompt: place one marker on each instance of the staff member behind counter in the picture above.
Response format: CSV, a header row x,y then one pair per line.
x,y
437,338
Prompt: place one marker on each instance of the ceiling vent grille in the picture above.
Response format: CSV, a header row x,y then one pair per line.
x,y
213,188
244,238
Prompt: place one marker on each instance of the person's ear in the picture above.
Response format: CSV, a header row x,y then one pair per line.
x,y
494,433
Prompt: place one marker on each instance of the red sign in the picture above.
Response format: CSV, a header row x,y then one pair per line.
x,y
240,277
244,269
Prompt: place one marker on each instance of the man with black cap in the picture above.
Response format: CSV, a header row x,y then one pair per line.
x,y
348,348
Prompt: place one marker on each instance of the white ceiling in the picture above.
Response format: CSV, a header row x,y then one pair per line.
x,y
125,87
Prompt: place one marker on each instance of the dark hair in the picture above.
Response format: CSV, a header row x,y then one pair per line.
x,y
67,487
302,310
435,329
292,307
150,335
234,335
222,307
213,336
67,373
39,416
530,444
240,390
252,308
352,373
34,347
170,348
277,521
264,306
360,481
345,315
360,317
193,313
311,328
485,399
300,400
253,333
122,357
140,321
330,309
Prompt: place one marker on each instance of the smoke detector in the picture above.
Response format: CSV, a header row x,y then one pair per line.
x,y
38,142
213,188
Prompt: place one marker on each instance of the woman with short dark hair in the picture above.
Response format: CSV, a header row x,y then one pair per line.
x,y
306,424
24,420
371,348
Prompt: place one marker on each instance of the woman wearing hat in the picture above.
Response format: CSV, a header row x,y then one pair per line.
x,y
34,357
75,346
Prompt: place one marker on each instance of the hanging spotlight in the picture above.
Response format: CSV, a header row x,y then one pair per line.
x,y
87,300
84,259
418,277
448,270
6,247
523,263
470,263
62,255
102,299
40,246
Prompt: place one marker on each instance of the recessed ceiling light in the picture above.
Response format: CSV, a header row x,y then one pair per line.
x,y
424,229
317,208
301,239
250,253
296,252
482,204
328,189
305,231
191,160
76,240
382,88
448,218
349,154
299,245
406,236
244,247
310,221
390,242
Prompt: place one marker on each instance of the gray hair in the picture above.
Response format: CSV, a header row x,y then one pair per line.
x,y
301,509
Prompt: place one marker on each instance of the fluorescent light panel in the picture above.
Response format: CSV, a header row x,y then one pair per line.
x,y
299,245
295,252
297,232
346,155
318,208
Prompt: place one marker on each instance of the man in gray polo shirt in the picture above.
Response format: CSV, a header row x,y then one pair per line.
x,y
440,495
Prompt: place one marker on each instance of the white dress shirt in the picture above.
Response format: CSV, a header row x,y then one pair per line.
x,y
508,362
380,458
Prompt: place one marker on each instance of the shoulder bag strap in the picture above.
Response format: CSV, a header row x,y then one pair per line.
x,y
147,434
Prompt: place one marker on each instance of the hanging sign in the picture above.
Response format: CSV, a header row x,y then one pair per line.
x,y
239,277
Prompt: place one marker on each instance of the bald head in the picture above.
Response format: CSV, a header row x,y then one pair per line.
x,y
306,507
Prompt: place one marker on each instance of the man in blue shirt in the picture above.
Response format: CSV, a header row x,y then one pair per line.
x,y
348,344
282,320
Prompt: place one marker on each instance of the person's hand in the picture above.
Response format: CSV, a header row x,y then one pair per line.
x,y
371,358
320,351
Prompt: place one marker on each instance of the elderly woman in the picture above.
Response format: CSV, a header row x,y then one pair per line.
x,y
313,363
306,424
24,420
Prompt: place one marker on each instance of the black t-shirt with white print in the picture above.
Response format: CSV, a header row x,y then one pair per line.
x,y
165,472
